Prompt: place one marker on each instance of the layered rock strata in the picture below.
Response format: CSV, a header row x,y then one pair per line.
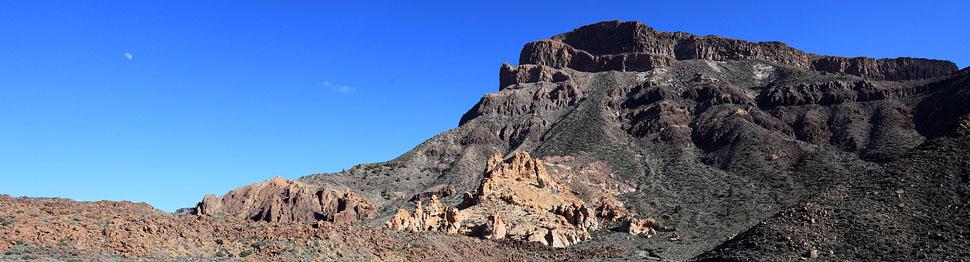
x,y
633,46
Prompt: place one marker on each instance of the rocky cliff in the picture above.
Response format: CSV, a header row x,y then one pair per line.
x,y
633,46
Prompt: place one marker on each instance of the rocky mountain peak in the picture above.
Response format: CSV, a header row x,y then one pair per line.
x,y
633,46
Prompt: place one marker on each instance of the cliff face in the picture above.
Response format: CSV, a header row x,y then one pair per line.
x,y
903,68
633,46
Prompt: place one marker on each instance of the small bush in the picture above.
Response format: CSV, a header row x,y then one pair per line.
x,y
29,257
219,241
245,253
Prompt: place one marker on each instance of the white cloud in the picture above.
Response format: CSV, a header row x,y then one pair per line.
x,y
129,56
338,88
345,89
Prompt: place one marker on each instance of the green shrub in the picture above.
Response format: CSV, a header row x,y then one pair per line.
x,y
245,253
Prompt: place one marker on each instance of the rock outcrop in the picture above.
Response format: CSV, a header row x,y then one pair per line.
x,y
633,46
438,191
646,227
433,217
57,229
282,200
516,199
903,68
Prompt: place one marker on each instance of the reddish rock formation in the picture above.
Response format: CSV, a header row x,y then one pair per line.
x,y
516,199
647,227
560,55
434,217
282,200
56,229
509,75
633,46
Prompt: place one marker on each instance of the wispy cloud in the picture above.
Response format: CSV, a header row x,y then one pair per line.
x,y
338,88
128,56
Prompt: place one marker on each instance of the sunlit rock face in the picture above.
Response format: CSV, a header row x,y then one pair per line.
x,y
282,200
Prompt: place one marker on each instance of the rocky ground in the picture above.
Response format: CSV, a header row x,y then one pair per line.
x,y
65,230
611,142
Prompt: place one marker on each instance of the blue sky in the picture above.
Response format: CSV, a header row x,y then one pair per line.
x,y
165,102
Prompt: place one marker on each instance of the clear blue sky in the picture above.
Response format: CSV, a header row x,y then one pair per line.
x,y
217,95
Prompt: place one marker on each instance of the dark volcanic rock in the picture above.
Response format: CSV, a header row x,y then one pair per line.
x,y
633,46
903,68
185,211
716,134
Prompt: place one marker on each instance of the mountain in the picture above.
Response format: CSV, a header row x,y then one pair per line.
x,y
718,134
619,142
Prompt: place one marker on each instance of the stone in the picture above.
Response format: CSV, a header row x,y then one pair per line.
x,y
812,253
496,228
633,46
438,191
283,200
646,227
516,199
